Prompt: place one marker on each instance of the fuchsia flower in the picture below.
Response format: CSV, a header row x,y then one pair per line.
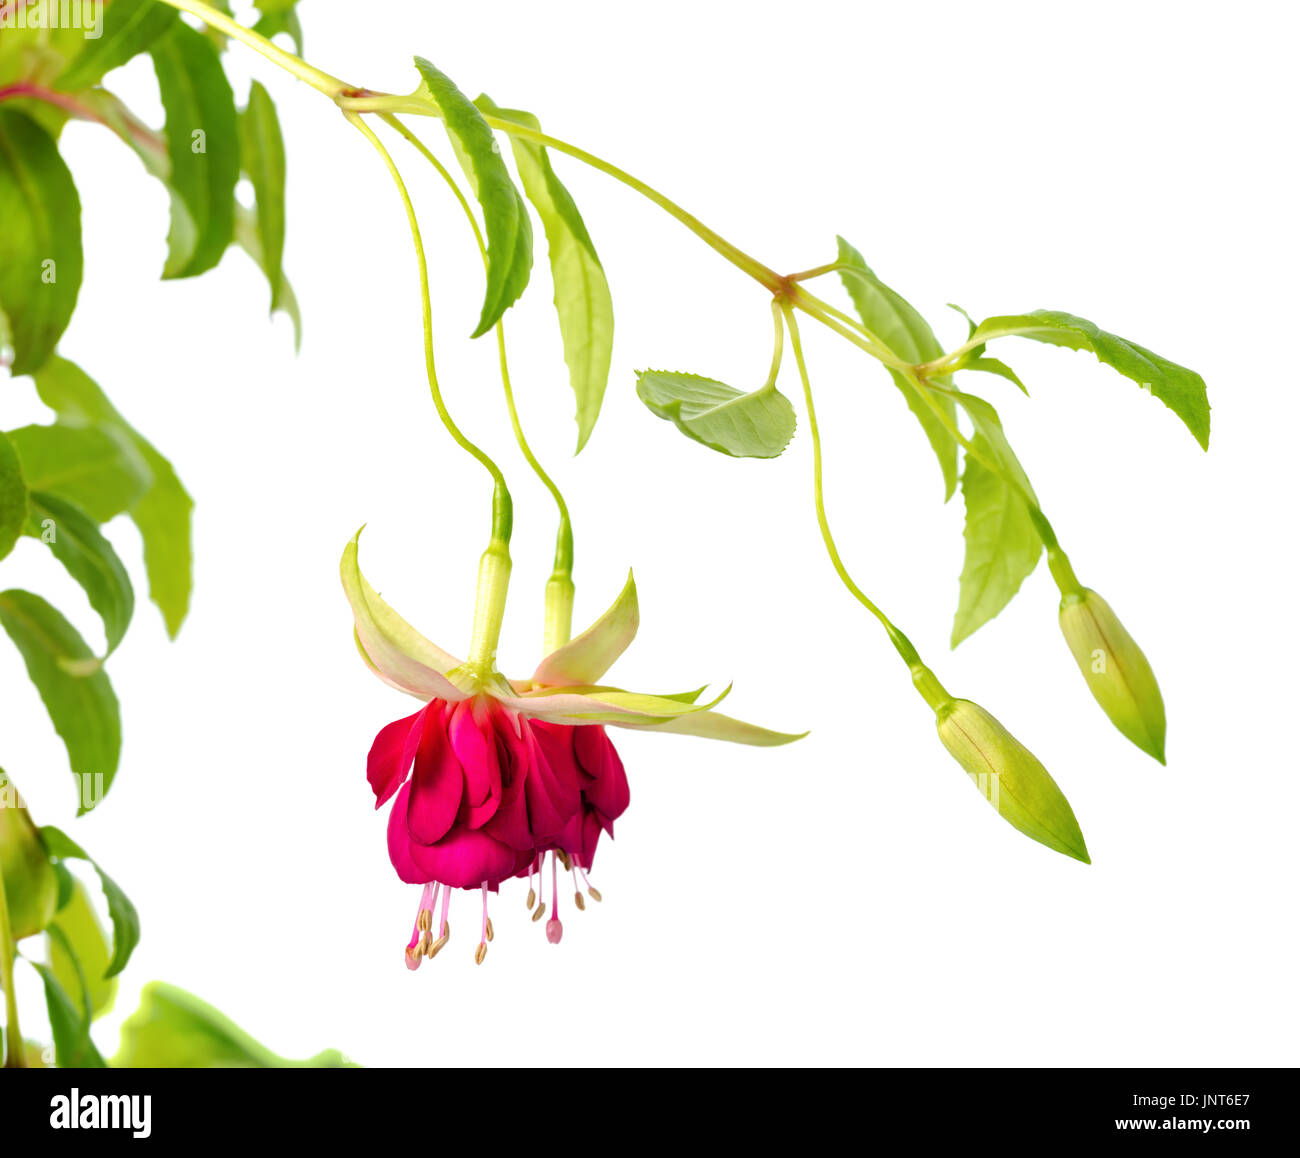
x,y
491,775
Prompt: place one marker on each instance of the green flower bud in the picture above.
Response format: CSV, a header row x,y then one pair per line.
x,y
29,881
1118,674
1010,777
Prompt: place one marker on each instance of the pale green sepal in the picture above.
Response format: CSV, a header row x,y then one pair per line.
x,y
716,726
1010,777
589,656
398,653
1117,673
600,705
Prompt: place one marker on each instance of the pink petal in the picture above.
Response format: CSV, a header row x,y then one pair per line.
x,y
609,792
591,828
437,784
465,858
472,739
552,797
510,822
399,840
391,755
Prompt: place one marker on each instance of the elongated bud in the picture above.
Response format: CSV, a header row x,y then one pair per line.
x,y
1010,777
29,881
1117,672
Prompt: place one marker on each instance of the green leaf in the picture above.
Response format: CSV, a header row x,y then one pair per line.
x,y
262,148
755,425
161,512
126,921
505,217
82,707
40,240
1179,388
582,297
80,956
247,239
73,1048
1002,543
989,426
13,496
279,16
89,558
993,366
129,27
173,1029
897,323
84,465
202,130
31,883
37,55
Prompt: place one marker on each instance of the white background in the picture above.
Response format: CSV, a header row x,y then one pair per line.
x,y
848,899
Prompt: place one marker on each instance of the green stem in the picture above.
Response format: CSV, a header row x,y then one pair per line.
x,y
900,641
564,537
502,507
331,86
421,106
778,343
559,588
817,271
15,1056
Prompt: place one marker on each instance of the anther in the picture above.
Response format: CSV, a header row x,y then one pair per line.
x,y
480,953
577,900
564,859
540,912
436,947
594,894
532,898
424,922
491,933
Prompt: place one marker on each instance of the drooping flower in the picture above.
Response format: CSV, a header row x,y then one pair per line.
x,y
492,775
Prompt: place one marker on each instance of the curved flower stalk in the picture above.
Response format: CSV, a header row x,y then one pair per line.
x,y
491,774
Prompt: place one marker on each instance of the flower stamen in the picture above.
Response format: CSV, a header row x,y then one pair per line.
x,y
554,929
485,931
592,891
